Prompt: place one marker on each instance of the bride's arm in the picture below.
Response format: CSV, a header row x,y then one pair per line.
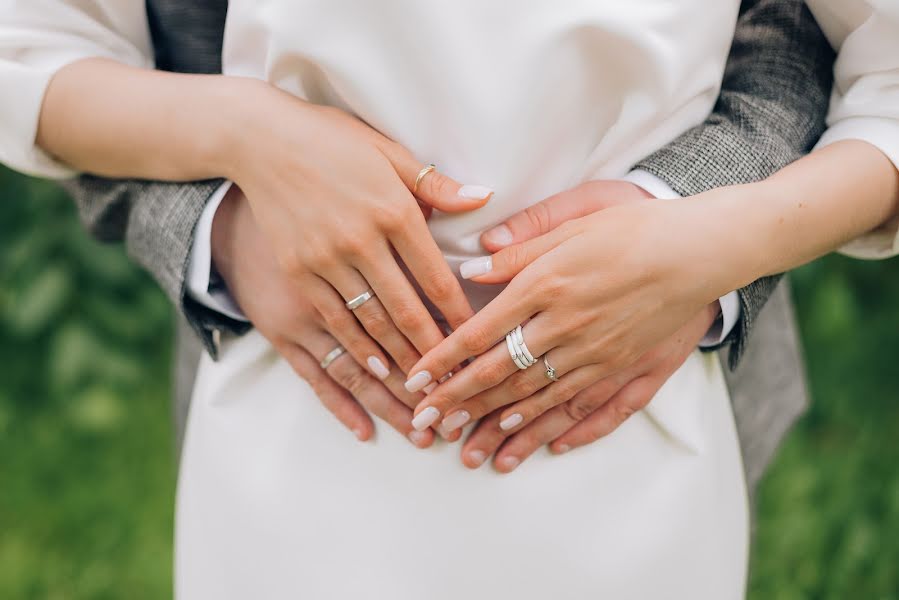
x,y
815,206
107,118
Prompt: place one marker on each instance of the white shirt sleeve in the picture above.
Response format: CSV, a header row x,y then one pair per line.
x,y
199,266
730,303
39,37
865,101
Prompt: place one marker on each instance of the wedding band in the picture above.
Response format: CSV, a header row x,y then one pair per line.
x,y
421,175
513,352
360,299
550,371
331,357
519,337
518,350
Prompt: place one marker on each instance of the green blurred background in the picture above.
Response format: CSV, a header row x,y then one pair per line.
x,y
87,468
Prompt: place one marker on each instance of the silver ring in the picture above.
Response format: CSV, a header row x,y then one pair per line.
x,y
550,371
331,357
360,299
513,351
518,350
519,335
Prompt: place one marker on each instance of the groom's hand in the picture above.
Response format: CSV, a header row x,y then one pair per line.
x,y
284,314
601,408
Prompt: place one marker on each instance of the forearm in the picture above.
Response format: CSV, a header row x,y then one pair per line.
x,y
119,121
810,208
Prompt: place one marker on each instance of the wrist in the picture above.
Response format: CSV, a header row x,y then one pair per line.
x,y
235,139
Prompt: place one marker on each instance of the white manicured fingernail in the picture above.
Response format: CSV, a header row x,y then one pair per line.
x,y
425,418
430,387
509,463
418,381
477,457
378,367
444,432
564,448
511,422
475,192
417,437
500,235
476,267
456,420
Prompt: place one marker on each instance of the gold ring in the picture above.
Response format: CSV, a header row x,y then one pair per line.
x,y
421,175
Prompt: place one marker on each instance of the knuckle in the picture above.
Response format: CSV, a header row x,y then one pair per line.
x,y
539,217
622,411
521,386
489,373
437,185
562,391
319,257
407,317
352,379
377,322
475,340
394,215
292,262
442,287
578,410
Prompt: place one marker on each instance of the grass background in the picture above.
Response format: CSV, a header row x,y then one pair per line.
x,y
86,451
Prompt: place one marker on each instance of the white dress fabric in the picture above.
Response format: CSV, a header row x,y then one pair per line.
x,y
275,499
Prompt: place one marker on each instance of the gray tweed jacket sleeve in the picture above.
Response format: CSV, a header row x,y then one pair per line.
x,y
770,112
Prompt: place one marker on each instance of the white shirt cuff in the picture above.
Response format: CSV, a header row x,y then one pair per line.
x,y
199,266
730,303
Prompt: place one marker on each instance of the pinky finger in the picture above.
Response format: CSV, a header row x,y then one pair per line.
x,y
336,399
608,417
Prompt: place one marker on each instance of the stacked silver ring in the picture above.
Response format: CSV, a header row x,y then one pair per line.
x,y
518,350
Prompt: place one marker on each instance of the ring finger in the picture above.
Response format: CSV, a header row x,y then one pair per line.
x,y
519,386
486,371
368,391
350,284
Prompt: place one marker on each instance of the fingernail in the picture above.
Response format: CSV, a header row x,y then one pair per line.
x,y
418,437
378,368
563,449
456,420
509,463
418,381
511,422
477,457
476,266
500,235
358,434
425,418
430,387
475,192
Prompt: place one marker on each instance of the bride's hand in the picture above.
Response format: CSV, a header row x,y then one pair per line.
x,y
335,199
596,292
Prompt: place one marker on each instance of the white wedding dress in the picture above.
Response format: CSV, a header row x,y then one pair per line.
x,y
275,499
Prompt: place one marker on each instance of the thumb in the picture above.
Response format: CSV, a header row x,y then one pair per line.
x,y
541,218
432,188
510,261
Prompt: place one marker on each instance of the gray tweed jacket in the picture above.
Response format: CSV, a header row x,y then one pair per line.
x,y
770,111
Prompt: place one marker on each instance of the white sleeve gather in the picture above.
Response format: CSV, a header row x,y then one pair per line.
x,y
40,37
865,101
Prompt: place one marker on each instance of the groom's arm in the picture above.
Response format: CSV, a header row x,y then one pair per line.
x,y
770,112
157,221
